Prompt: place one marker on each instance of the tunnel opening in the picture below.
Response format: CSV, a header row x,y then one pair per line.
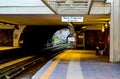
x,y
60,36
37,37
63,37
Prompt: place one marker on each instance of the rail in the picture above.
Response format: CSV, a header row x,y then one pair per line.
x,y
15,69
11,71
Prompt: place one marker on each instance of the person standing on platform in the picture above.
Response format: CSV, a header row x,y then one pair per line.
x,y
100,48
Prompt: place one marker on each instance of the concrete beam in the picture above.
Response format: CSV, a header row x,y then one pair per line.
x,y
23,7
6,26
100,8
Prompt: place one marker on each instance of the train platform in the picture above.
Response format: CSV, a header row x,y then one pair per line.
x,y
79,64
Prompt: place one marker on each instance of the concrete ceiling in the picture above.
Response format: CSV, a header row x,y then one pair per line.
x,y
51,19
72,6
95,13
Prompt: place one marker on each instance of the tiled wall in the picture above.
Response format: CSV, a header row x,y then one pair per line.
x,y
6,37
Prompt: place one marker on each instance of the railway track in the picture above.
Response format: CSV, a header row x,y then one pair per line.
x,y
14,69
10,69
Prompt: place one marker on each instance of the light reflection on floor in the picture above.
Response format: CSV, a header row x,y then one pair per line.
x,y
74,64
81,55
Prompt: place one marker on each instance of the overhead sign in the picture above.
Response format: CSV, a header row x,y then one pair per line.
x,y
72,19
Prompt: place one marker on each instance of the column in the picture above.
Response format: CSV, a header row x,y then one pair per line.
x,y
16,35
74,33
115,31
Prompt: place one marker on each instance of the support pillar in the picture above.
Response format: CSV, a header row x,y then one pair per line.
x,y
115,31
74,33
16,35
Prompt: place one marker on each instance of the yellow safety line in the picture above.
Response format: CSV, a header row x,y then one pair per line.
x,y
14,62
49,71
6,48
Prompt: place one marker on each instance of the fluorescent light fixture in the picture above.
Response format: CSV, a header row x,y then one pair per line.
x,y
108,1
103,29
109,22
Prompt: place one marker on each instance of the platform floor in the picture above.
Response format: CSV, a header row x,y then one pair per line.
x,y
79,64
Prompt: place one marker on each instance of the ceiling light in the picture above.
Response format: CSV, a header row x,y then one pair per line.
x,y
84,27
69,1
103,29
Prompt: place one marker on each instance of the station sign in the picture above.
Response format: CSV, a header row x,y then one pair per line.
x,y
72,19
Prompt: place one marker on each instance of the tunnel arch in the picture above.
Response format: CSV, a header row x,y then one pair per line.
x,y
35,37
61,34
17,34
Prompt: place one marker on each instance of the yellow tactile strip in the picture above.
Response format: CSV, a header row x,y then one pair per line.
x,y
6,48
50,69
14,62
